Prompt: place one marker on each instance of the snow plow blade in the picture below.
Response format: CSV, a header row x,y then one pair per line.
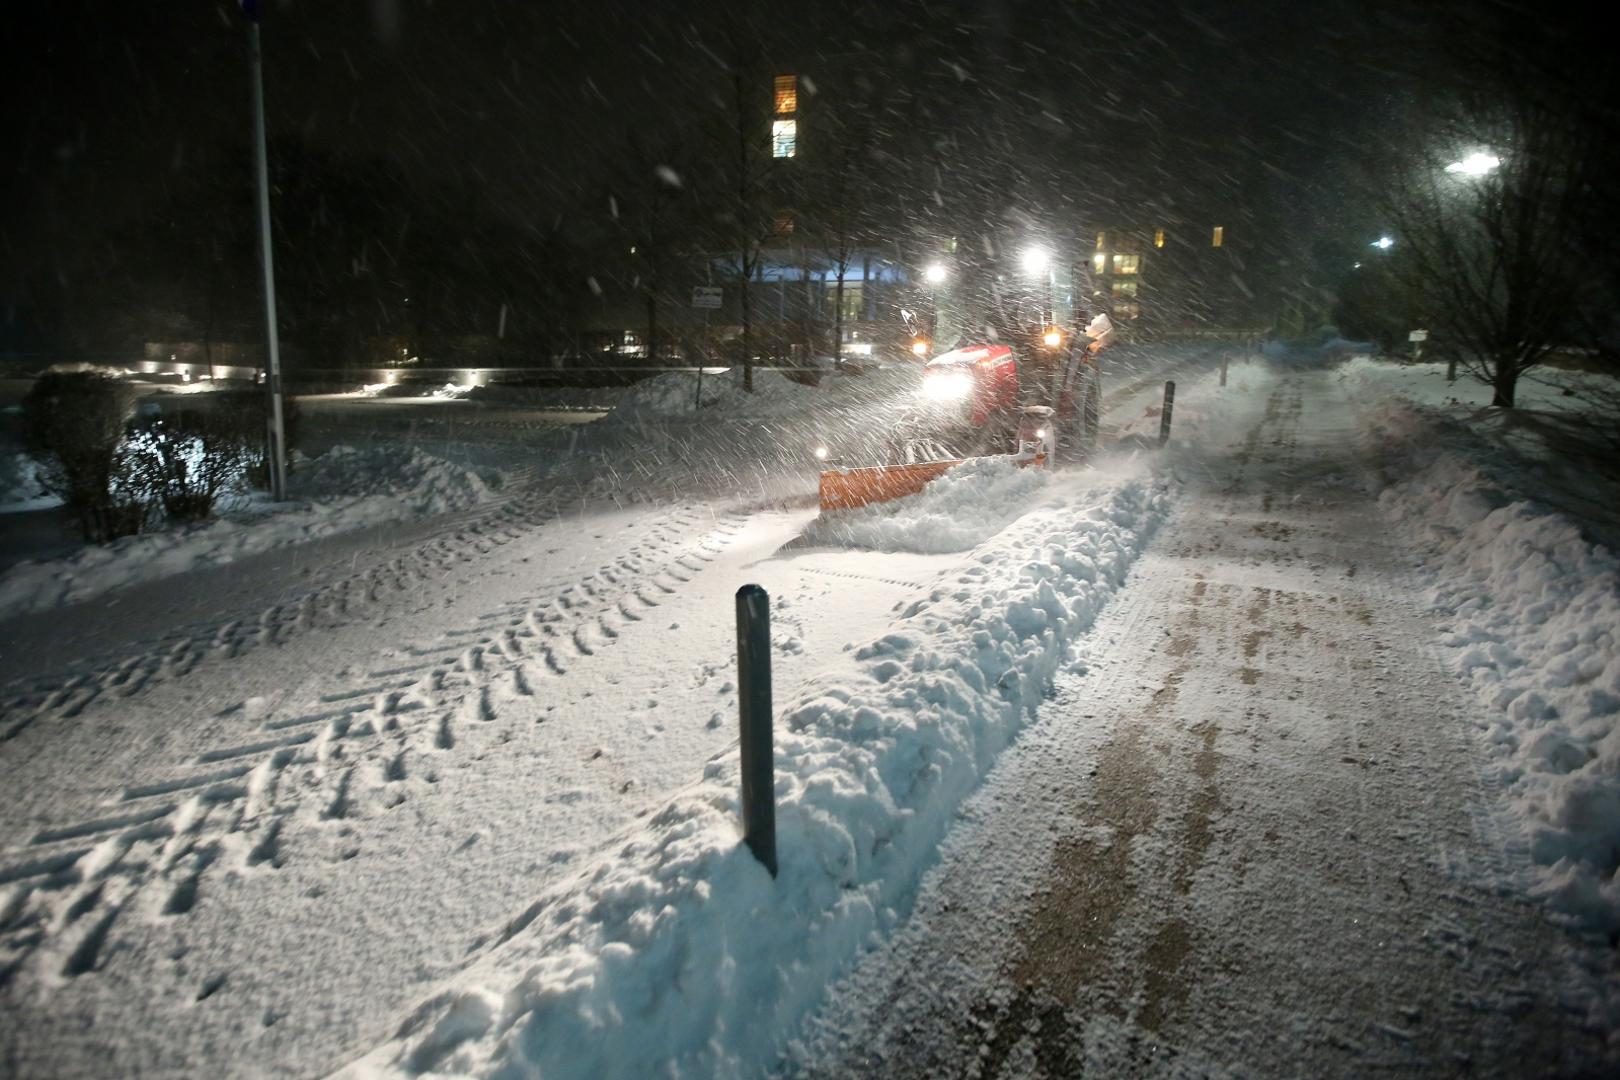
x,y
846,489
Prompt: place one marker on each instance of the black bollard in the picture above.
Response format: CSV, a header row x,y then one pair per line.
x,y
754,704
1164,417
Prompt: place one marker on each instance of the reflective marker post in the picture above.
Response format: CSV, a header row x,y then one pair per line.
x,y
754,703
1169,407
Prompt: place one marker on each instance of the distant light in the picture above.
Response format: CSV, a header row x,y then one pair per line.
x,y
1052,338
1040,433
935,273
1036,260
1356,267
859,348
1475,164
919,347
632,249
821,453
1383,243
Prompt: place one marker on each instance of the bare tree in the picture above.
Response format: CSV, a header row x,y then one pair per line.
x,y
747,212
1495,210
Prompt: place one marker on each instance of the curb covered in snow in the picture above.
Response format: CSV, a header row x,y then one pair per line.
x,y
682,938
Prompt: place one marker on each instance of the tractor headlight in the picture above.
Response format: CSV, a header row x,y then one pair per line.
x,y
821,453
948,385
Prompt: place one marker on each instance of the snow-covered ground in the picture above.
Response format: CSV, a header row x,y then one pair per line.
x,y
458,795
342,490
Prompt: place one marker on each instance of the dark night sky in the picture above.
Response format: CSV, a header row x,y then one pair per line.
x,y
109,100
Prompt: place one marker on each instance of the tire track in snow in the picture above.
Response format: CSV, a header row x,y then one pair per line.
x,y
466,535
231,805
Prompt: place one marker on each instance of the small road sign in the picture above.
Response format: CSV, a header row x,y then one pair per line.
x,y
707,296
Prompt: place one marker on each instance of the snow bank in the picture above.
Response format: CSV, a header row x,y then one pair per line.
x,y
342,490
675,394
547,397
678,956
965,507
1535,630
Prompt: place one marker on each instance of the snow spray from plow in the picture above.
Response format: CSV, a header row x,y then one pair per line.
x,y
848,489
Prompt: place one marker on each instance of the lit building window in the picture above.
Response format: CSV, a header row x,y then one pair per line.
x,y
1158,238
1097,261
1124,288
854,304
1219,236
787,95
1127,264
784,138
1102,240
784,221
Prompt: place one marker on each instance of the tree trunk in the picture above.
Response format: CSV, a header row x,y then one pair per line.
x,y
744,221
838,316
652,326
1504,381
747,333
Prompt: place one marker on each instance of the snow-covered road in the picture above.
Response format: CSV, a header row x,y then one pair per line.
x,y
390,795
1247,836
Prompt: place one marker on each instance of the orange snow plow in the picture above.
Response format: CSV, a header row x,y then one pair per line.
x,y
846,489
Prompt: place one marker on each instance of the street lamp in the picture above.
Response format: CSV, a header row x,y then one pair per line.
x,y
1383,243
1476,164
935,274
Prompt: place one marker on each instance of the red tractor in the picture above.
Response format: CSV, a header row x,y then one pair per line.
x,y
1038,405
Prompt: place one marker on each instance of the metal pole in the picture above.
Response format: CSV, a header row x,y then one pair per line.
x,y
272,348
1224,359
1169,407
754,703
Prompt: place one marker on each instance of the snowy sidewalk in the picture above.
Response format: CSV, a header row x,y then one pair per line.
x,y
1241,842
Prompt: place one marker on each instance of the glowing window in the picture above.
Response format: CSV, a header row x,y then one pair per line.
x,y
1102,240
784,222
787,96
1158,238
1219,236
1124,288
1098,260
784,138
1127,264
854,304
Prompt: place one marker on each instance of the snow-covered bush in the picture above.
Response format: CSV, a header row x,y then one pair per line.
x,y
74,424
